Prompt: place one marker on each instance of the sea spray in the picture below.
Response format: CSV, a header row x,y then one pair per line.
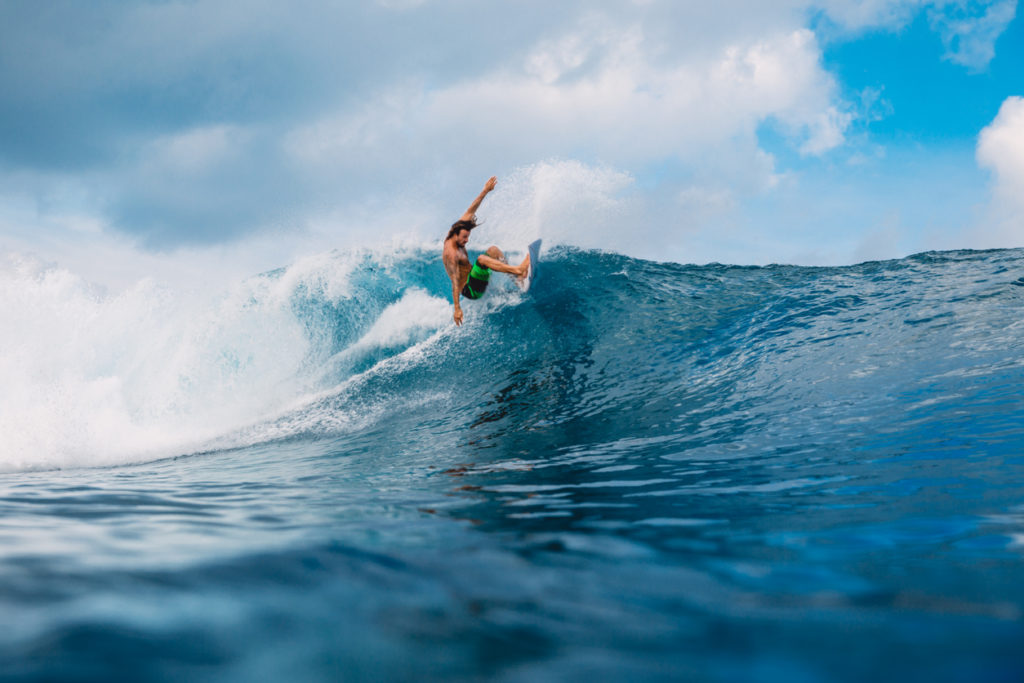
x,y
93,378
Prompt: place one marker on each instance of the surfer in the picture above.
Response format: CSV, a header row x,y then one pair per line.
x,y
470,280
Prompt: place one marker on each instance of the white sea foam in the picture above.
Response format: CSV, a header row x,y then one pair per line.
x,y
91,378
414,314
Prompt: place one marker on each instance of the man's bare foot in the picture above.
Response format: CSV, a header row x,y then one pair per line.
x,y
524,268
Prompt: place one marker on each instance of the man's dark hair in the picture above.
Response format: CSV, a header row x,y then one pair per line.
x,y
458,226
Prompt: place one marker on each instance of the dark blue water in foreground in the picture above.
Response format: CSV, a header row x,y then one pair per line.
x,y
641,472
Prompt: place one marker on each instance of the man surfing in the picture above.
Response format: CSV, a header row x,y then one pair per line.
x,y
470,280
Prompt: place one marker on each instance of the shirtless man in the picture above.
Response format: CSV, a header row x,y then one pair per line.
x,y
470,280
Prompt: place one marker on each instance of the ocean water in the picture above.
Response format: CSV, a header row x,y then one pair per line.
x,y
640,471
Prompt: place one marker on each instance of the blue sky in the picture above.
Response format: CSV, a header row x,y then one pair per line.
x,y
818,132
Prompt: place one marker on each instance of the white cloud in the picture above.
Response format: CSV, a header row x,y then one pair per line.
x,y
553,61
197,149
969,28
603,89
1001,150
862,14
784,78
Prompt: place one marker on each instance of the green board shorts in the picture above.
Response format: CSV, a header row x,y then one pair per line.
x,y
479,276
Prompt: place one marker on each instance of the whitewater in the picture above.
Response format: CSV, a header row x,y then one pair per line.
x,y
638,471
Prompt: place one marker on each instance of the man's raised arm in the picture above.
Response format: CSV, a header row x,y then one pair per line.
x,y
471,211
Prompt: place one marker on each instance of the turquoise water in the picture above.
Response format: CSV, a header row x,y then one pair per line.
x,y
640,471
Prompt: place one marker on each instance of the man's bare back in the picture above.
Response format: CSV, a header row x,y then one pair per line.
x,y
457,260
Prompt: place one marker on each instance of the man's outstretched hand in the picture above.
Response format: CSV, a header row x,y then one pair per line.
x,y
457,316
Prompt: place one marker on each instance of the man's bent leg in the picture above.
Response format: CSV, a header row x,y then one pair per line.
x,y
495,260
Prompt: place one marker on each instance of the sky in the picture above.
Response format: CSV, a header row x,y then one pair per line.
x,y
235,135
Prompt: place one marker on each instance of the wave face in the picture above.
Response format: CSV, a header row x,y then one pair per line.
x,y
638,469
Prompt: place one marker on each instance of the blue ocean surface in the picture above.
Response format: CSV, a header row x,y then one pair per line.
x,y
638,471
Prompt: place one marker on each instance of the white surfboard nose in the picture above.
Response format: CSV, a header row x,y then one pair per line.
x,y
531,275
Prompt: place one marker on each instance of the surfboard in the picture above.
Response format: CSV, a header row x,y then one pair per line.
x,y
534,249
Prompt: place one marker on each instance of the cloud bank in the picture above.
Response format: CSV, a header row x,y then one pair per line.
x,y
183,123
